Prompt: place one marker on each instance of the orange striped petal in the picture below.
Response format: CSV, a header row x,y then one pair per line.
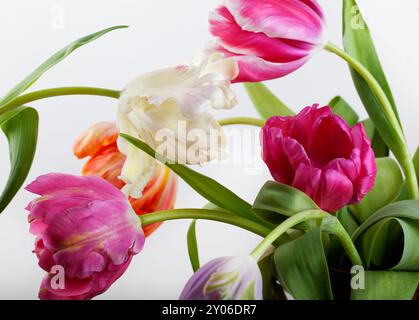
x,y
93,139
158,195
107,164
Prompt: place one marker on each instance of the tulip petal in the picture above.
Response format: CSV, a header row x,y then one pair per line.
x,y
274,156
334,191
233,38
255,69
307,179
93,139
107,164
287,19
323,146
368,166
86,226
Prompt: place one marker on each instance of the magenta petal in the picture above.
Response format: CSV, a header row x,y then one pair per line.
x,y
234,39
307,179
86,226
324,146
274,156
334,192
368,165
295,153
289,19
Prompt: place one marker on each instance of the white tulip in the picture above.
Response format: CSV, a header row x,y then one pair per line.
x,y
168,109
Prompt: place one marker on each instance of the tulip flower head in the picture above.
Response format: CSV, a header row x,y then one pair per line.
x,y
226,278
84,227
268,38
99,143
168,110
317,152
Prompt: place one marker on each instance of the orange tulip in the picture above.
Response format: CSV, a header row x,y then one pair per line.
x,y
99,143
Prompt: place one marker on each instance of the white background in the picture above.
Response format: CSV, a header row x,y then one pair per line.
x,y
164,32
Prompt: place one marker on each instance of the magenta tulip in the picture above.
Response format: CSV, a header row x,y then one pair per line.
x,y
317,152
226,278
86,227
269,38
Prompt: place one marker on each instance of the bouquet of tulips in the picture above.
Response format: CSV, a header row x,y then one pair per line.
x,y
339,220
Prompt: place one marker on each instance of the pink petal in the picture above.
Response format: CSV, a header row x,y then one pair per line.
x,y
274,156
331,138
307,179
234,39
368,168
334,191
289,19
295,153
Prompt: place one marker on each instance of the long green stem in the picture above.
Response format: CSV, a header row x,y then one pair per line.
x,y
55,92
284,226
206,215
333,226
242,120
403,156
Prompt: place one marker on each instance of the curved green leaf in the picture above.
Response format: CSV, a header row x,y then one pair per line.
x,y
408,209
52,61
387,187
388,239
358,43
276,201
193,246
21,129
210,189
391,244
266,103
404,194
344,110
302,267
388,285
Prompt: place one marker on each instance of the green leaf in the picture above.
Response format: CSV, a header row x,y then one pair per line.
x,y
388,285
344,110
271,289
404,194
266,103
378,145
387,187
358,43
210,189
277,201
347,220
21,129
52,61
193,246
302,267
388,239
408,209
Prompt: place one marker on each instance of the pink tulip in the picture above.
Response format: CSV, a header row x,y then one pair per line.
x,y
269,38
317,152
85,226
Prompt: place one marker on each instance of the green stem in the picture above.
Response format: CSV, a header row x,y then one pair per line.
x,y
284,227
242,120
55,92
403,156
205,214
333,226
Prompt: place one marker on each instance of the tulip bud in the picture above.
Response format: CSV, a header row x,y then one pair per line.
x,y
268,38
318,153
227,278
87,228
